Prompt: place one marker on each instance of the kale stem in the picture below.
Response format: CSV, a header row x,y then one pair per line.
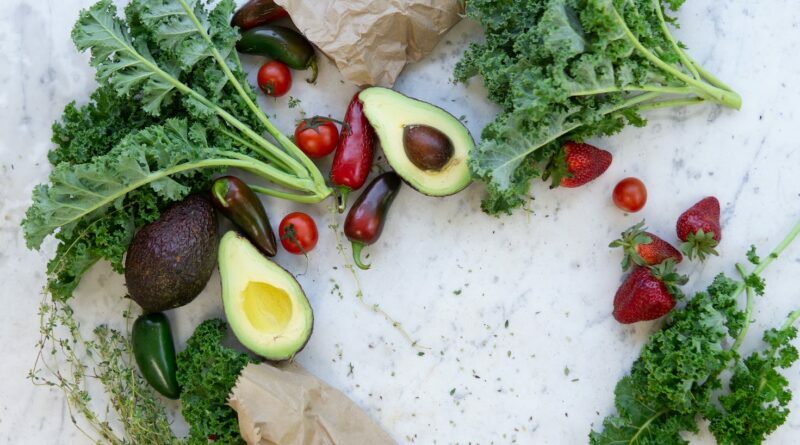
x,y
760,267
671,103
268,172
305,199
684,59
724,97
771,257
748,313
651,88
255,148
793,316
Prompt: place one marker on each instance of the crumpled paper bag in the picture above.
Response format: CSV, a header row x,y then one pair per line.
x,y
370,41
287,406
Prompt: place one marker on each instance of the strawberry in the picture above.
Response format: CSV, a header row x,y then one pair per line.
x,y
648,293
642,248
699,229
584,163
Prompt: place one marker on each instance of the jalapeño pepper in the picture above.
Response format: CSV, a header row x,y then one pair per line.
x,y
234,199
256,13
151,338
364,222
282,44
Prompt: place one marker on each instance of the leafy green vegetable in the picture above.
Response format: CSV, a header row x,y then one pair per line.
x,y
172,109
756,405
677,377
572,69
207,372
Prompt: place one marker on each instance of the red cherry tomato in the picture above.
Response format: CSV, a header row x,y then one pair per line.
x,y
630,195
317,137
298,233
274,78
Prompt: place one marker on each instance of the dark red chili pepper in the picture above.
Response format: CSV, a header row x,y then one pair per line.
x,y
256,13
364,222
354,154
234,199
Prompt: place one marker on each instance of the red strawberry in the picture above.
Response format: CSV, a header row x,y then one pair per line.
x,y
699,229
648,293
642,248
584,163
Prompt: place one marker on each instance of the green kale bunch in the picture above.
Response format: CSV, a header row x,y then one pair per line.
x,y
677,378
570,70
207,372
172,109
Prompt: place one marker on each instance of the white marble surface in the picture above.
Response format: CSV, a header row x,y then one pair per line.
x,y
453,276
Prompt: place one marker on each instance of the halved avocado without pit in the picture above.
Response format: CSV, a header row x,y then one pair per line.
x,y
265,305
427,146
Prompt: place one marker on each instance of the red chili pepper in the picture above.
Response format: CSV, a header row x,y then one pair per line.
x,y
364,223
354,154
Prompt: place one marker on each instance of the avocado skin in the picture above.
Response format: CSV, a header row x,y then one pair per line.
x,y
170,260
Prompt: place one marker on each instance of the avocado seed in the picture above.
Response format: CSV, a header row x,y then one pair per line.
x,y
427,147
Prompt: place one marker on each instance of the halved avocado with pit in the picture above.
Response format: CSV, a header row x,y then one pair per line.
x,y
265,305
427,146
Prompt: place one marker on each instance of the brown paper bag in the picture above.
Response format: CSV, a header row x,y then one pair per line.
x,y
288,406
370,41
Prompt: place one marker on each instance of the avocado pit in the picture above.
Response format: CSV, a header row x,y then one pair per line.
x,y
426,147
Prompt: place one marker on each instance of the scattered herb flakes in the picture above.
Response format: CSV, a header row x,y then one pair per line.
x,y
452,391
350,369
566,370
457,292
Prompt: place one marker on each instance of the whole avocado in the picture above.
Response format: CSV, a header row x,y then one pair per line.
x,y
171,259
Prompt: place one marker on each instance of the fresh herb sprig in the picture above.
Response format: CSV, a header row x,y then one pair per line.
x,y
570,70
68,361
677,378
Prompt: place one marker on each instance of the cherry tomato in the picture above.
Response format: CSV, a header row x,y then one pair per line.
x,y
317,137
298,233
630,195
274,78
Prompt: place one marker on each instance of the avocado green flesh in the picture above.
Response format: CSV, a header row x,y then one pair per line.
x,y
265,306
389,112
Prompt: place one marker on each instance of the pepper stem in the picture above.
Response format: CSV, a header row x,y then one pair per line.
x,y
219,191
357,256
341,198
314,70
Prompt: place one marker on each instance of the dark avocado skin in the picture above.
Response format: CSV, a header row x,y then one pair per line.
x,y
171,259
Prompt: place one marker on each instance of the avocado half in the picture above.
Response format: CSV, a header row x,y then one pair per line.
x,y
265,305
391,113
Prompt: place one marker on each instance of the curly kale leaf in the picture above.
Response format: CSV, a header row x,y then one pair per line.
x,y
641,421
571,69
157,155
94,154
674,378
759,395
207,372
